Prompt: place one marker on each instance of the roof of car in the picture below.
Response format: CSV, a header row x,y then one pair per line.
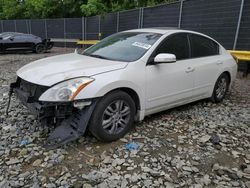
x,y
15,34
7,33
161,30
166,30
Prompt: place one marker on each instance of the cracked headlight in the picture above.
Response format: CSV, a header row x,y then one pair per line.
x,y
65,91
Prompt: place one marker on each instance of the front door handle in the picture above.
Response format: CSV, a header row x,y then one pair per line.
x,y
190,69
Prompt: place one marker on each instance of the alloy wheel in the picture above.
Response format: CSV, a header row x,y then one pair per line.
x,y
221,88
116,117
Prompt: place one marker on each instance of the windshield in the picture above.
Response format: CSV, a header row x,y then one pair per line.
x,y
6,35
127,46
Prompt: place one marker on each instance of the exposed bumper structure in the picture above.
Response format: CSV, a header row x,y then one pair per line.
x,y
71,128
71,122
29,93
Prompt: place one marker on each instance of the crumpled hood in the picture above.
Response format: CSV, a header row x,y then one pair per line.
x,y
51,70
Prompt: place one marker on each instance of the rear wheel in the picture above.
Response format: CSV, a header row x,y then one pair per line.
x,y
39,48
113,116
220,88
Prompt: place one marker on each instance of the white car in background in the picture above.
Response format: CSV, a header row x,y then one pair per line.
x,y
122,79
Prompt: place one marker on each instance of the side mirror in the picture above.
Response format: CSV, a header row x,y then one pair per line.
x,y
165,58
76,51
11,38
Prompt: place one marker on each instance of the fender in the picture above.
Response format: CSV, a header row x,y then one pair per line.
x,y
107,82
91,93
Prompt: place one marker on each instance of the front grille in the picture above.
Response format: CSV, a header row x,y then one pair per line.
x,y
34,90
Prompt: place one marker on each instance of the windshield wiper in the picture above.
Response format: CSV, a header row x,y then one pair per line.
x,y
95,55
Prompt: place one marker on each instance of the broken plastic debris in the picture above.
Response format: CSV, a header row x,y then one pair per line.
x,y
131,146
25,142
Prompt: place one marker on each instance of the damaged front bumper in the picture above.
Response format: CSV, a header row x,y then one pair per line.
x,y
71,118
29,93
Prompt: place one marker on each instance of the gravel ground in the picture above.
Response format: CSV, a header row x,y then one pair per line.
x,y
197,145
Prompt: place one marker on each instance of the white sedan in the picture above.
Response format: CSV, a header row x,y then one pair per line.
x,y
122,79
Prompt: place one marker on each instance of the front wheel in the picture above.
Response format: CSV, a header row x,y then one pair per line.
x,y
113,116
40,48
220,88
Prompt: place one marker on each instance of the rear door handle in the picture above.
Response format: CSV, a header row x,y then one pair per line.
x,y
190,69
219,62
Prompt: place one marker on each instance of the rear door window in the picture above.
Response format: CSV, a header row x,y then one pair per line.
x,y
202,46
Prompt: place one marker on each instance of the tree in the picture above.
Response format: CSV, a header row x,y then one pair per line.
x,y
19,9
11,9
73,8
93,7
99,7
53,8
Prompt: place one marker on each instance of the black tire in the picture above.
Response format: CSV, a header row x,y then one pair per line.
x,y
39,48
117,123
220,88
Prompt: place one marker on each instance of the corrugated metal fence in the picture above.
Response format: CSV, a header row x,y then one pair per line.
x,y
228,21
